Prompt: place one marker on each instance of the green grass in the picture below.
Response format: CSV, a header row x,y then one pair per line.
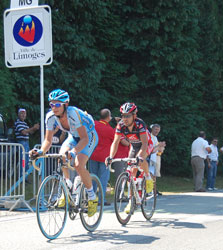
x,y
169,184
181,184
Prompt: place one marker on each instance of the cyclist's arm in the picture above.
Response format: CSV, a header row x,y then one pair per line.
x,y
114,146
124,142
47,141
142,152
83,139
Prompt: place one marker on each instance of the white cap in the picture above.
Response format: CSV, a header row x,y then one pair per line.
x,y
21,110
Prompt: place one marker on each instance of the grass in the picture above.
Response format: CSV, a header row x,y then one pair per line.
x,y
169,184
181,184
165,185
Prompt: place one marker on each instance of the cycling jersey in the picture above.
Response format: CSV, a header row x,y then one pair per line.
x,y
76,118
133,137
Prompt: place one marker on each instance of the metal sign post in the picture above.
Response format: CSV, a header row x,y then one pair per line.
x,y
42,102
28,40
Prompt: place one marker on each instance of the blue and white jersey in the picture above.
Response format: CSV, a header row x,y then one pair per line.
x,y
76,118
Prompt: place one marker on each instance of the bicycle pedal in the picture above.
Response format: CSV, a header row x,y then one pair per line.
x,y
72,215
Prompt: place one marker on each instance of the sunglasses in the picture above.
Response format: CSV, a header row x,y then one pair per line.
x,y
56,105
126,116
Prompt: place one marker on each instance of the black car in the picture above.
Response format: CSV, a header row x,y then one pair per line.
x,y
3,130
7,152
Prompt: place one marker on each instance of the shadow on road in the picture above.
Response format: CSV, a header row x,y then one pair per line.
x,y
114,237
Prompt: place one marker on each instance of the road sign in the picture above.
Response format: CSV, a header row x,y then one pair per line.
x,y
23,3
28,36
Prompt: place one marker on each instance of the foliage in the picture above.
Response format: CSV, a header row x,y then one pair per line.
x,y
163,55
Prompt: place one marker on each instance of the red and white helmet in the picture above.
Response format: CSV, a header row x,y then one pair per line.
x,y
128,108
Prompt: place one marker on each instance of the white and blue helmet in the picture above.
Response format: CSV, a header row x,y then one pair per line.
x,y
59,95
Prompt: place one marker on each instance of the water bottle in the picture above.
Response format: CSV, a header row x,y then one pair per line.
x,y
69,184
76,189
77,185
139,181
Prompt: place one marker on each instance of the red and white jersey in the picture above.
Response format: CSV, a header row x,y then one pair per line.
x,y
133,137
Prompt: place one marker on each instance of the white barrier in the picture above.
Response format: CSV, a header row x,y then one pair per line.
x,y
12,184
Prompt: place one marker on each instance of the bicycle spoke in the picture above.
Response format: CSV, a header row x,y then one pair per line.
x,y
91,223
123,191
51,218
148,202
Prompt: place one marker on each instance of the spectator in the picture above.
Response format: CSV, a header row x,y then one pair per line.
x,y
199,152
212,160
22,131
155,157
97,162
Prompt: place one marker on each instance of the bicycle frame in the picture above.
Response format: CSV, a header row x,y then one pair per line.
x,y
126,185
132,164
55,199
131,179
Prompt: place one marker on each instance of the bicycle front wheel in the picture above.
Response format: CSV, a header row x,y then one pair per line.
x,y
148,205
51,213
124,199
91,223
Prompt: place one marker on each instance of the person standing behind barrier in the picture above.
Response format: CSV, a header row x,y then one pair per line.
x,y
97,161
212,160
22,131
154,161
199,152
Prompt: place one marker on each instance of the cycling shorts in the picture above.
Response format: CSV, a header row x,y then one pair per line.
x,y
72,141
135,149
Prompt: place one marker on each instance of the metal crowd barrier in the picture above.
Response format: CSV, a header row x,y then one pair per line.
x,y
12,183
13,191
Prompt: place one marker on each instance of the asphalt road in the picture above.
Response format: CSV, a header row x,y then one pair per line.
x,y
189,221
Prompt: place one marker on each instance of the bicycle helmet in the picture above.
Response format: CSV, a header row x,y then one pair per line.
x,y
59,95
128,108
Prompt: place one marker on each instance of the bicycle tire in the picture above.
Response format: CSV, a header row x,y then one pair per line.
x,y
123,189
91,223
148,205
50,217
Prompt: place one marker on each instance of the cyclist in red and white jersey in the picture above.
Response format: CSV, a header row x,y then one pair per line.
x,y
135,131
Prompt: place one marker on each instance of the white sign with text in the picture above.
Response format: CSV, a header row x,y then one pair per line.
x,y
23,3
28,37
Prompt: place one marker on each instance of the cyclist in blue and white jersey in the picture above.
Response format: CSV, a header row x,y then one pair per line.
x,y
80,143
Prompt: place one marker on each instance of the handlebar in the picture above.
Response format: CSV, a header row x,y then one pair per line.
x,y
55,156
130,162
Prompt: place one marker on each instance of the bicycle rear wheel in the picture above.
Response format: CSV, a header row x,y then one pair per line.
x,y
50,217
123,197
148,205
91,223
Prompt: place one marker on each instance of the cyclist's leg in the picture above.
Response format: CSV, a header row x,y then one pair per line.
x,y
80,163
67,145
145,167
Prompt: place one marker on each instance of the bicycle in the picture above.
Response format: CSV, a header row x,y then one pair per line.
x,y
129,188
51,216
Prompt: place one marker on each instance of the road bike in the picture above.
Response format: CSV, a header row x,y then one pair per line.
x,y
132,189
51,214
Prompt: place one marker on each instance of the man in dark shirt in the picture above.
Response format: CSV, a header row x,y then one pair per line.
x,y
22,131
